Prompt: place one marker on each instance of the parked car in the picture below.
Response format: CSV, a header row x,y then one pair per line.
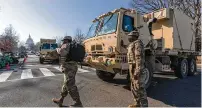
x,y
10,58
37,54
22,54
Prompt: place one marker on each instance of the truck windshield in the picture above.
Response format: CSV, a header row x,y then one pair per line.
x,y
49,46
105,25
92,29
54,46
46,46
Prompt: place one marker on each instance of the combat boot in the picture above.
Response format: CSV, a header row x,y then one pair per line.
x,y
77,104
59,101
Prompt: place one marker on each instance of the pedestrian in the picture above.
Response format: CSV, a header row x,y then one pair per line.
x,y
136,60
69,68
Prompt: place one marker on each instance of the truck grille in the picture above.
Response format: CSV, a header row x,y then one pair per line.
x,y
121,59
96,47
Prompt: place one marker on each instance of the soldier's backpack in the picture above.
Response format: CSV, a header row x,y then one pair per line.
x,y
77,52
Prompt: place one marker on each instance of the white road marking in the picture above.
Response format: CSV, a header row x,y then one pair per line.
x,y
46,72
79,70
4,76
32,78
82,70
89,68
30,65
26,74
58,68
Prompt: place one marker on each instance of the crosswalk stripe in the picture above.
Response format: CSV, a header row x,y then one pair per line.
x,y
58,68
79,70
4,76
82,70
27,73
46,72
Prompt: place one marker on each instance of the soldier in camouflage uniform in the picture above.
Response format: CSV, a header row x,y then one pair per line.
x,y
136,60
69,68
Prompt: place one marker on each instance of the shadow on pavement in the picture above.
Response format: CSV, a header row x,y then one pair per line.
x,y
119,82
177,92
171,90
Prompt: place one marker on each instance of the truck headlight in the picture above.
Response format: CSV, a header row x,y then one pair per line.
x,y
88,59
108,62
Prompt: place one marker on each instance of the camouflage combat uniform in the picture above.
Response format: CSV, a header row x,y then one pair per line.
x,y
136,59
69,68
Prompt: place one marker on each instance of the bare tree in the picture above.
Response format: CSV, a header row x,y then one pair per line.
x,y
21,47
37,46
10,38
191,8
21,43
79,36
58,39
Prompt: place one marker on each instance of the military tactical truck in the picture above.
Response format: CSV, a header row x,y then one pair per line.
x,y
47,45
172,48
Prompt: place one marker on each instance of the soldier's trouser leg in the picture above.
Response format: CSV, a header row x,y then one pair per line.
x,y
138,89
69,85
140,96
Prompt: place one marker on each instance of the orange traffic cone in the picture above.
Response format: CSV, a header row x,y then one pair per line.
x,y
7,66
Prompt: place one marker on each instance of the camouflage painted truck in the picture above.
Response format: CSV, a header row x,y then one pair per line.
x,y
173,47
47,45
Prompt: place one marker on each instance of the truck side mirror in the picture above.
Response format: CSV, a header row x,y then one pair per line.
x,y
122,44
40,48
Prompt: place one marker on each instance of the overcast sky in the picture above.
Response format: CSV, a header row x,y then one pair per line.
x,y
49,18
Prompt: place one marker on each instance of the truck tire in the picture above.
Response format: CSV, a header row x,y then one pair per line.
x,y
41,60
191,67
148,75
105,76
181,71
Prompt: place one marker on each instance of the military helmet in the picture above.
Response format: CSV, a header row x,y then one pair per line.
x,y
67,38
134,33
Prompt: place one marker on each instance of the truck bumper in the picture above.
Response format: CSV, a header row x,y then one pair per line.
x,y
116,68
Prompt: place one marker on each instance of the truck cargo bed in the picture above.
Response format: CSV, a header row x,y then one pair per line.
x,y
175,28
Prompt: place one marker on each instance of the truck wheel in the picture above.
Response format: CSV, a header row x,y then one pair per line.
x,y
181,70
41,60
148,75
191,67
105,76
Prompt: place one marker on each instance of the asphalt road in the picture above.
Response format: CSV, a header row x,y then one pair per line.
x,y
35,85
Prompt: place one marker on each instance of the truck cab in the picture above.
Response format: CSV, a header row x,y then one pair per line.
x,y
107,46
47,45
